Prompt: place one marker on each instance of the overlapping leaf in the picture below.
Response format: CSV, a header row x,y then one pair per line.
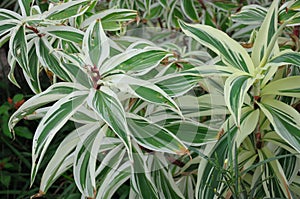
x,y
285,120
95,44
154,137
265,34
51,123
231,52
285,87
106,104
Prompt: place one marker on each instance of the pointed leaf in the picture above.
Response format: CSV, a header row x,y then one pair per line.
x,y
51,123
86,154
19,49
285,120
106,104
50,59
285,87
55,166
153,136
231,52
53,93
236,87
265,34
95,44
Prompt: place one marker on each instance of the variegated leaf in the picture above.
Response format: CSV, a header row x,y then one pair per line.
x,y
67,10
265,34
285,120
51,123
86,155
53,93
154,137
95,44
135,61
286,87
231,52
55,167
50,59
106,104
236,87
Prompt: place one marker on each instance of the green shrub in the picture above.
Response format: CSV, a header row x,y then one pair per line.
x,y
202,118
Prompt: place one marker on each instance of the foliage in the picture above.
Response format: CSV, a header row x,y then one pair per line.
x,y
196,116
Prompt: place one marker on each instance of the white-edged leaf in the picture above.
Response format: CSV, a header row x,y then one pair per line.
x,y
285,87
135,61
19,48
25,6
189,9
106,104
231,52
95,44
285,120
86,155
53,93
111,18
141,181
50,59
143,89
66,10
66,33
164,180
192,133
265,34
154,137
236,87
51,173
51,123
285,57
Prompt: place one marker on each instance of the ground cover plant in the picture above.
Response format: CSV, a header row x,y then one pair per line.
x,y
166,99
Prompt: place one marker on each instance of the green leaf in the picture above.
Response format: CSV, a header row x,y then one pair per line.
x,y
164,181
111,19
135,61
250,14
95,44
50,59
58,163
141,178
8,14
189,10
153,136
106,104
285,87
53,93
68,10
284,58
66,33
34,81
143,89
210,178
265,34
236,87
231,52
19,49
113,172
51,123
177,84
192,133
7,26
25,6
285,120
86,154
